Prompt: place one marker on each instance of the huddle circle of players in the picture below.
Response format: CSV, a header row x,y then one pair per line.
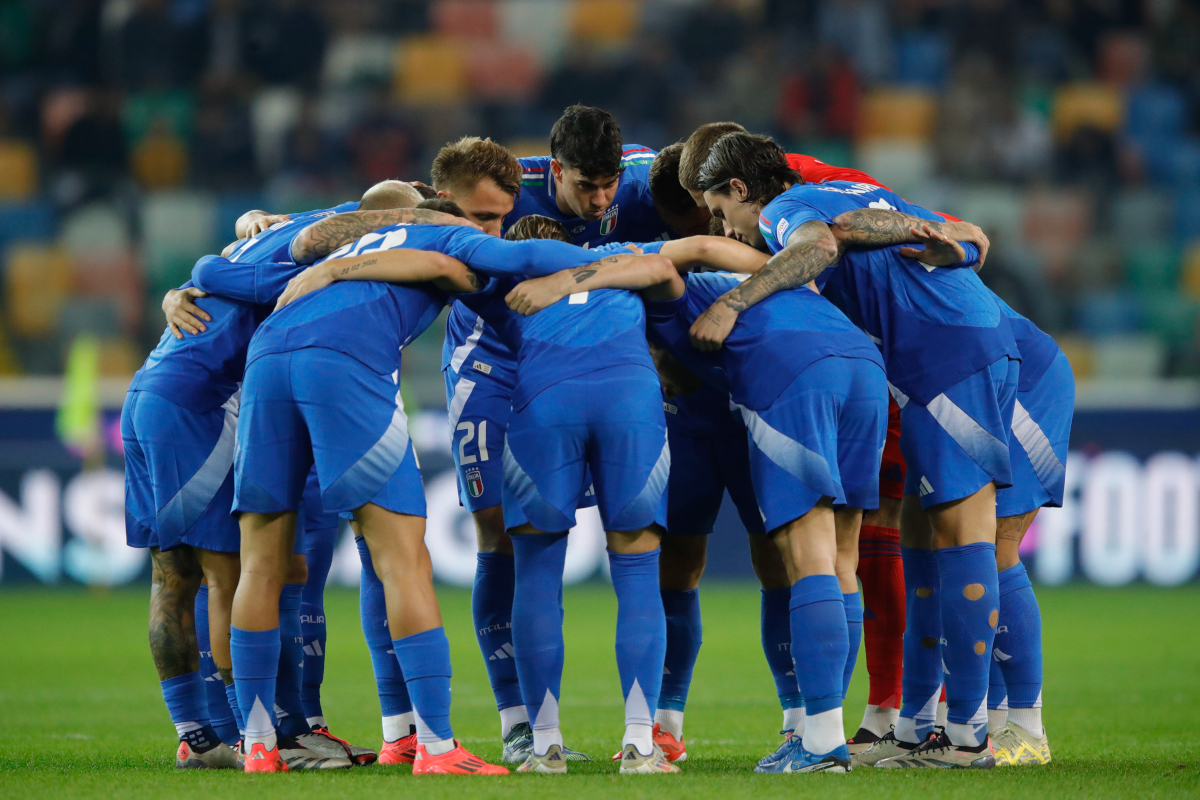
x,y
603,349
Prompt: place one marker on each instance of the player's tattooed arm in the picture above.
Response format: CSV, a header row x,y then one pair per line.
x,y
324,236
880,227
403,265
811,249
655,276
716,252
175,578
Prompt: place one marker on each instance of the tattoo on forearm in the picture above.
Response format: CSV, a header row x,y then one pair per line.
x,y
787,269
581,274
226,674
879,226
474,280
172,613
357,265
322,238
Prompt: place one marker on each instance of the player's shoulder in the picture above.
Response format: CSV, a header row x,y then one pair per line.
x,y
636,160
535,171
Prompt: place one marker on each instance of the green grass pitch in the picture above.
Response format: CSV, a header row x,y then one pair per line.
x,y
82,715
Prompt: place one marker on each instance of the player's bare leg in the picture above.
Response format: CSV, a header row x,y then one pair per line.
x,y
397,546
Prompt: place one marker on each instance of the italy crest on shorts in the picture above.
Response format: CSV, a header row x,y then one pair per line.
x,y
474,482
608,222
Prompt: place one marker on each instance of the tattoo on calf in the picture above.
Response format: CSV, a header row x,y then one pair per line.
x,y
172,612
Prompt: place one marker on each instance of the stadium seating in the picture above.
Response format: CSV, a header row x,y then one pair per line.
x,y
465,19
430,70
922,59
538,26
18,170
37,285
502,72
604,21
1151,266
1095,105
897,114
1137,356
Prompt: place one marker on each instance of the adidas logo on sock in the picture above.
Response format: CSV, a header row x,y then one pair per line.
x,y
926,486
504,652
314,649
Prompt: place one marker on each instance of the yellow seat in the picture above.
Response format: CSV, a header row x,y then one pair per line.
x,y
160,160
38,283
897,114
1097,105
605,21
18,170
430,70
1080,354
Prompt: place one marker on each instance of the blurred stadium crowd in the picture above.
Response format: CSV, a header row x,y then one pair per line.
x,y
134,132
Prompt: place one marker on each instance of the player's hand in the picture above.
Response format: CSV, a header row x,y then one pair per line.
x,y
966,232
531,296
711,328
940,250
260,224
306,282
182,313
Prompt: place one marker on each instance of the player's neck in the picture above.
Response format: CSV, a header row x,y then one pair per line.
x,y
560,201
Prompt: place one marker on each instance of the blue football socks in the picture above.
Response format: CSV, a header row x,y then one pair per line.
x,y
776,628
1017,651
641,642
491,609
424,659
970,603
289,707
819,645
854,629
389,680
685,634
219,712
922,677
319,545
231,697
537,630
188,706
255,668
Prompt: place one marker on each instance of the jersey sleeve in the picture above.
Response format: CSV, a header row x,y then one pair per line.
x,y
531,258
782,216
217,275
271,278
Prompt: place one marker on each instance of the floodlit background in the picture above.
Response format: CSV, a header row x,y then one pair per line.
x,y
134,132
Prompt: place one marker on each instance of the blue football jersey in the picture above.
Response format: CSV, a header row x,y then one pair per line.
x,y
771,344
1038,348
275,243
935,327
201,372
372,321
630,218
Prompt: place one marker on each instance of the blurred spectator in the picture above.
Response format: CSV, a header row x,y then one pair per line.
x,y
382,144
312,158
819,97
710,34
285,41
73,45
154,51
93,155
225,40
223,156
16,36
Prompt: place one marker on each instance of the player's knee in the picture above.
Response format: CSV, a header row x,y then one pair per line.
x,y
490,532
297,569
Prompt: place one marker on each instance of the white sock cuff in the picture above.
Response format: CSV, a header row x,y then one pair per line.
x,y
670,720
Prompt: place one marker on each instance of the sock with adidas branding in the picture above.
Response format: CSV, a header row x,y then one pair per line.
x,y
537,630
819,645
1017,649
776,630
685,633
219,713
318,552
255,668
188,706
491,610
881,571
288,706
970,604
922,680
424,659
641,642
854,626
394,702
